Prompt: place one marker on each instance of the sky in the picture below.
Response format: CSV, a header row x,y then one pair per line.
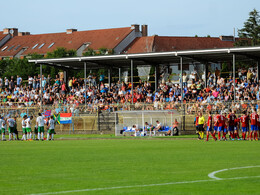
x,y
163,17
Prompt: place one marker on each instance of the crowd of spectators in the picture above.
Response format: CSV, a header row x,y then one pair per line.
x,y
16,93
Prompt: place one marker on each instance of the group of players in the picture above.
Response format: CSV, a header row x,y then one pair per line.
x,y
223,125
28,133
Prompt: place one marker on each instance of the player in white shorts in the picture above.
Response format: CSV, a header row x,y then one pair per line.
x,y
51,128
3,128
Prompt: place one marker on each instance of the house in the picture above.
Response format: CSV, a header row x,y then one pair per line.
x,y
23,43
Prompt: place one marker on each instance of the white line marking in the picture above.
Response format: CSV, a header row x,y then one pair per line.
x,y
211,175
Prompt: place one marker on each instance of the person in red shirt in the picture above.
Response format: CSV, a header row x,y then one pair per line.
x,y
225,122
244,121
215,122
231,123
196,123
236,128
209,127
253,118
258,124
221,125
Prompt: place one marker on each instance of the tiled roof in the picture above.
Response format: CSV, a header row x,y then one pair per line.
x,y
162,43
2,35
108,38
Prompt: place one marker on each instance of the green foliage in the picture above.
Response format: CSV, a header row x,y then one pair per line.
x,y
90,52
250,33
61,52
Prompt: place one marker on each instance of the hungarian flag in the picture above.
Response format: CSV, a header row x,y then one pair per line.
x,y
65,118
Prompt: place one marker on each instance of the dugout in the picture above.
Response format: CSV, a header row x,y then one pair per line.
x,y
124,120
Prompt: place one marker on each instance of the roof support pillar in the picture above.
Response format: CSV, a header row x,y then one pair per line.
x,y
155,77
109,77
132,80
85,83
181,82
258,71
119,73
234,75
206,74
41,82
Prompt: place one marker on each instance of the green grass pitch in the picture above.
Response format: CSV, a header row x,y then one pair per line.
x,y
128,166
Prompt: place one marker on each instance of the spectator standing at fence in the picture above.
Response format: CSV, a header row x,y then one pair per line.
x,y
19,80
217,74
249,75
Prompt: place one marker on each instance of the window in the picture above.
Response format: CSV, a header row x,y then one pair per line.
x,y
41,46
17,47
4,48
11,48
51,45
35,45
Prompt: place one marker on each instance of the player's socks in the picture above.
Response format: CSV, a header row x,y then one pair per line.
x,y
202,135
30,135
52,136
207,137
14,136
3,137
42,136
219,135
39,135
48,136
34,136
10,136
251,136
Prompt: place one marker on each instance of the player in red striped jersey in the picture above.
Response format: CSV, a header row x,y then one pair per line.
x,y
225,122
221,125
253,118
215,123
244,121
209,127
231,124
236,128
258,124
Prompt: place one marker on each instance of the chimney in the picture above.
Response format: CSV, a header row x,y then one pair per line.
x,y
136,27
23,33
226,38
71,30
12,31
144,30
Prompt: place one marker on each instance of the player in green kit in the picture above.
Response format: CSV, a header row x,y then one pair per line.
x,y
40,123
24,127
3,127
51,127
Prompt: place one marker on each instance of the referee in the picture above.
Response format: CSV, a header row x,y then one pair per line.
x,y
201,125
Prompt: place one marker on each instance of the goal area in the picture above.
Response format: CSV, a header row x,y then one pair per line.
x,y
124,120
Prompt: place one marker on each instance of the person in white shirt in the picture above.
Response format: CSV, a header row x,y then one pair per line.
x,y
24,127
40,123
3,127
158,127
28,127
51,127
11,124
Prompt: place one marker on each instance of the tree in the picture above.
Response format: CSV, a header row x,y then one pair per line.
x,y
250,34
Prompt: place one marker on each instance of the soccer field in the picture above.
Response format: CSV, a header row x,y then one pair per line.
x,y
130,166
